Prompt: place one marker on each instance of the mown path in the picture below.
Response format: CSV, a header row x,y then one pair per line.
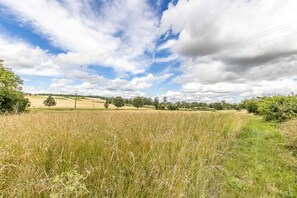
x,y
259,164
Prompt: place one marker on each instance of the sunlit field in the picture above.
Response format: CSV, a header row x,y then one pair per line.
x,y
64,102
114,154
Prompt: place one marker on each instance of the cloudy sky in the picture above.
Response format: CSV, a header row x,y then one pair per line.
x,y
184,49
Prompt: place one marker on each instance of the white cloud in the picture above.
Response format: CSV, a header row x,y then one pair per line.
x,y
115,35
233,48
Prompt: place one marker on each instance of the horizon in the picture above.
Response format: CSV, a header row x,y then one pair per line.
x,y
194,50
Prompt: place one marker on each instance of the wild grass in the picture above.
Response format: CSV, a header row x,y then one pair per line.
x,y
114,154
290,131
259,163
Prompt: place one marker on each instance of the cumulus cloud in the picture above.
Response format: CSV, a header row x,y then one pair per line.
x,y
117,34
234,47
104,86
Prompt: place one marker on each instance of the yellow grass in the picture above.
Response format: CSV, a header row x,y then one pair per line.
x,y
290,130
64,102
114,154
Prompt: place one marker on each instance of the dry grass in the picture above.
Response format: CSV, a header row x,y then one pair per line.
x,y
290,130
114,154
68,102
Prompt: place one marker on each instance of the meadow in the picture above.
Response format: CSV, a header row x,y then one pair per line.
x,y
144,154
114,154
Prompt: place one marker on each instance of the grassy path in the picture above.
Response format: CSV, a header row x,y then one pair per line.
x,y
259,165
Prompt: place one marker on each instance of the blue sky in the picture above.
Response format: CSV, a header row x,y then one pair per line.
x,y
191,50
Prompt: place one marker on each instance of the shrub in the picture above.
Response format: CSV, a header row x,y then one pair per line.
x,y
50,101
278,108
251,105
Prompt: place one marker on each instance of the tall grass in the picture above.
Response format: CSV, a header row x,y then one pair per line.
x,y
290,130
113,154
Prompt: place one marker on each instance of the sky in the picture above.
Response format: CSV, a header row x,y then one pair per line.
x,y
193,50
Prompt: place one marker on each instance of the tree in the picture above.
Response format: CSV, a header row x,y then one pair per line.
x,y
156,103
106,104
138,102
118,101
217,106
50,101
12,98
172,107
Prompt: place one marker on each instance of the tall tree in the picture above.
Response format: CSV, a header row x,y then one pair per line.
x,y
12,98
118,101
138,102
156,103
106,104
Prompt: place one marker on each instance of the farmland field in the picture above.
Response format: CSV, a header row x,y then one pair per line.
x,y
64,102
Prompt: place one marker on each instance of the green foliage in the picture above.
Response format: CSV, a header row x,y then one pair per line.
x,y
118,101
217,106
138,102
172,107
274,108
251,105
278,108
11,97
156,103
106,104
50,101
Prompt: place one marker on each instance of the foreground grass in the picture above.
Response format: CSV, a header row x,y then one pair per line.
x,y
259,164
114,154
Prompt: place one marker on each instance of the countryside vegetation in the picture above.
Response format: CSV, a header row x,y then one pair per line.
x,y
150,148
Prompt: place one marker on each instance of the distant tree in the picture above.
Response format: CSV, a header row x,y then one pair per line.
x,y
147,101
12,98
118,101
217,106
172,107
165,99
106,104
156,103
50,101
138,102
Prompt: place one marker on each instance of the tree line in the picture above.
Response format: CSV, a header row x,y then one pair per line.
x,y
273,108
164,104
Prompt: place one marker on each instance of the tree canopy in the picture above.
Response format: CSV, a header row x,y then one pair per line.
x,y
11,97
138,102
118,101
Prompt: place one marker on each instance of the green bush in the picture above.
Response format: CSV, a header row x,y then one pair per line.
x,y
251,105
278,108
12,100
274,108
